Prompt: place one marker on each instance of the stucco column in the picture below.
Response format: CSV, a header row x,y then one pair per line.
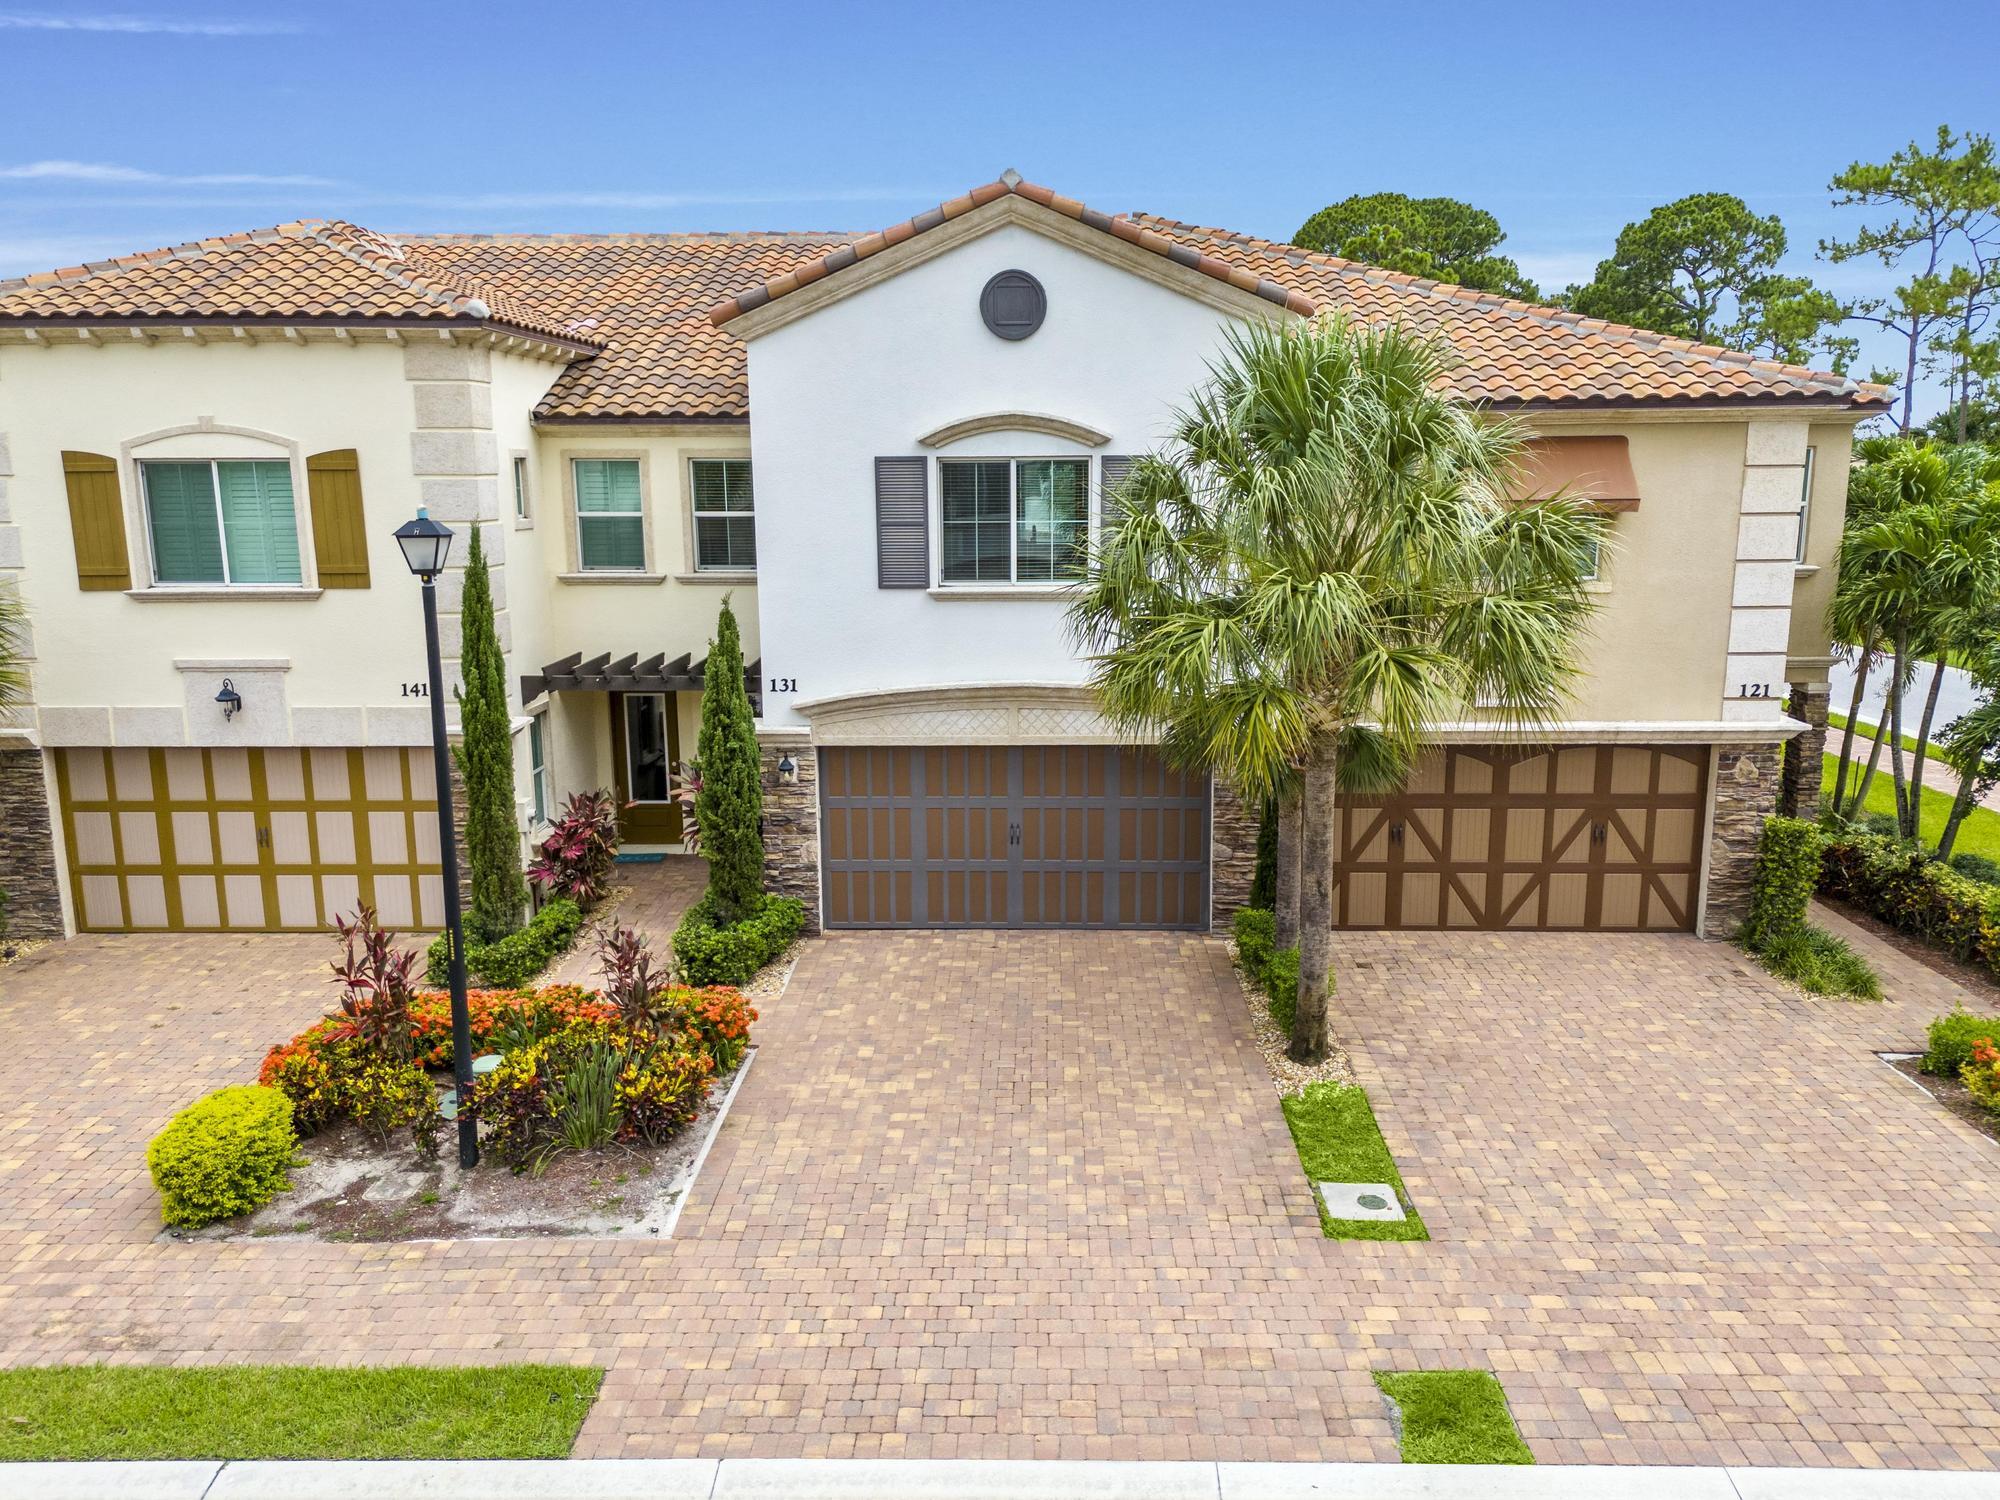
x,y
1232,854
1798,792
1744,791
791,819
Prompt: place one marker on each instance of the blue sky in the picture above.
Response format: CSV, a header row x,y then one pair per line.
x,y
139,125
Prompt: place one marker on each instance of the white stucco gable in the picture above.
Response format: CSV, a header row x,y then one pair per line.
x,y
906,357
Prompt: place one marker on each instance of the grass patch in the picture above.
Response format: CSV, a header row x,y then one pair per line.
x,y
1863,733
78,1412
1820,964
1978,834
1454,1417
1334,1128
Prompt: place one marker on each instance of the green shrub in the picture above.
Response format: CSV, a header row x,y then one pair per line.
x,y
223,1156
1952,1038
730,804
1977,867
1787,873
1981,1075
1273,970
485,756
710,951
515,959
1916,895
1820,964
1264,881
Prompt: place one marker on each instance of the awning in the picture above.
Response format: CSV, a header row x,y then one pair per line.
x,y
1598,469
629,674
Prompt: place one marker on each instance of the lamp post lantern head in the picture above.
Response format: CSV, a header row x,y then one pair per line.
x,y
425,544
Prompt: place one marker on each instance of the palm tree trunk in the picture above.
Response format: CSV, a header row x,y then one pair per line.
x,y
1861,660
1960,806
1315,910
1923,746
1291,807
1896,738
1874,760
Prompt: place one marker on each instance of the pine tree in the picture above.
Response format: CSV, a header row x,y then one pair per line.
x,y
730,806
486,761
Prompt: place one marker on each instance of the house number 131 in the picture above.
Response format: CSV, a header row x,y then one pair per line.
x,y
784,684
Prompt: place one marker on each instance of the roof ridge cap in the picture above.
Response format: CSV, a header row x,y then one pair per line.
x,y
291,229
1542,312
342,236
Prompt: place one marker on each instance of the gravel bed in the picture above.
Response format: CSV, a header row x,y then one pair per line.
x,y
1287,1076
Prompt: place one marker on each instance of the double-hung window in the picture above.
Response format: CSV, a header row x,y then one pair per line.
x,y
610,520
1805,504
538,769
222,521
1023,520
725,522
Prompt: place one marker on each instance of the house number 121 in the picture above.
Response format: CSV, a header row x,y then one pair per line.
x,y
1755,690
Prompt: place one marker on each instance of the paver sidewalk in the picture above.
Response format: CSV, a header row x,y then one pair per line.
x,y
1023,1195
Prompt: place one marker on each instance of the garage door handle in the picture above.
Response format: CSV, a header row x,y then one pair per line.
x,y
1395,833
1013,833
1597,833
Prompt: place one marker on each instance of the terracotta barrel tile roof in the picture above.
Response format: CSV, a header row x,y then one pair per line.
x,y
644,313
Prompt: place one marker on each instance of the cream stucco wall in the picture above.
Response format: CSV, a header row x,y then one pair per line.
x,y
1812,592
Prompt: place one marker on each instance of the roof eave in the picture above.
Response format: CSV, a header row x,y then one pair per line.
x,y
447,326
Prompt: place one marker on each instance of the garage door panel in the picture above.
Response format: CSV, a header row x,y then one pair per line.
x,y
244,839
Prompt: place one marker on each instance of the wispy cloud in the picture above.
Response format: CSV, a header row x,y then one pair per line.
x,y
110,173
143,25
570,199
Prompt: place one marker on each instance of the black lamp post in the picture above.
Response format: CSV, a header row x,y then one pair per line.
x,y
425,544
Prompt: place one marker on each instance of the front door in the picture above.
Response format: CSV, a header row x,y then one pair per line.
x,y
646,735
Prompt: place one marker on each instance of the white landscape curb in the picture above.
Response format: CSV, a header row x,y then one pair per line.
x,y
961,1479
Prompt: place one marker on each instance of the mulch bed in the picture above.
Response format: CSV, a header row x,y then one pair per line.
x,y
1952,1094
1973,978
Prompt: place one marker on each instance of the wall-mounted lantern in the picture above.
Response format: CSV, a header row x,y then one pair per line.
x,y
230,699
788,770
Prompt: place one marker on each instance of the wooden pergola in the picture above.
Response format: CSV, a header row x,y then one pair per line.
x,y
630,674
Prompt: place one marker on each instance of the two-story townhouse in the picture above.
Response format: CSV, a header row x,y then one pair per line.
x,y
232,429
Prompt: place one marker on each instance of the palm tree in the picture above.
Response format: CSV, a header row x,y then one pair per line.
x,y
1320,564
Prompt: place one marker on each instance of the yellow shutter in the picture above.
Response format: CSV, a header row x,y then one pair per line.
x,y
340,539
96,522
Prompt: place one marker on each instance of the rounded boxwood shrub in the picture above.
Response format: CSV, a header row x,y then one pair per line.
x,y
712,950
223,1155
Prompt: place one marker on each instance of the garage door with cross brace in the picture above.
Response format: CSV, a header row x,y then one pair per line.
x,y
1597,837
249,839
1011,836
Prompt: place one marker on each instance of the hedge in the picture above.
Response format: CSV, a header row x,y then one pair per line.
x,y
1951,1039
223,1155
709,953
1916,895
1274,970
1788,860
516,958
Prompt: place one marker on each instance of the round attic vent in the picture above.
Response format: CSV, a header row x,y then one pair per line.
x,y
1013,305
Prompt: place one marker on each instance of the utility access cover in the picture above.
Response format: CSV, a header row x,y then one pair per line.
x,y
1361,1200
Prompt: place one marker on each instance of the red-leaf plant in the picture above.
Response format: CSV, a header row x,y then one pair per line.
x,y
630,980
577,854
376,985
687,787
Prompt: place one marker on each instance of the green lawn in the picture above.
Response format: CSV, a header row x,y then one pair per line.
x,y
1454,1417
276,1411
1978,834
1334,1128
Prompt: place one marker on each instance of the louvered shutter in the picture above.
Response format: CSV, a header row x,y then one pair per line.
x,y
259,523
180,513
340,538
1112,469
96,522
902,523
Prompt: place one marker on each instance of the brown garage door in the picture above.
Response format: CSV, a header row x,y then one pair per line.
x,y
1011,836
249,839
1599,837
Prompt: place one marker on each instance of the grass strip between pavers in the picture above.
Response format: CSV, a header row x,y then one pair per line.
x,y
77,1412
1334,1128
1454,1417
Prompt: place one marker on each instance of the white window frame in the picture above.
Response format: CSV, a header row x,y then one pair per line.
x,y
520,465
695,512
644,572
1092,483
221,528
541,783
1805,503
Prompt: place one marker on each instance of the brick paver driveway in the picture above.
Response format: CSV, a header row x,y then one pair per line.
x,y
1030,1195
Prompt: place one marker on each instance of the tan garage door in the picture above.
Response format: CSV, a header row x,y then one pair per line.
x,y
1597,837
249,839
1011,836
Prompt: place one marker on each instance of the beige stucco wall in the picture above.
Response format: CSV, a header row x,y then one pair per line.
x,y
1812,592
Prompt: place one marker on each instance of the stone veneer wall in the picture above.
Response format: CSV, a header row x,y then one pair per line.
x,y
1232,853
28,848
1798,793
791,826
1745,794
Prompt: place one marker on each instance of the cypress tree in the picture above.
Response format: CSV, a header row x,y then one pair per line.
x,y
730,806
486,760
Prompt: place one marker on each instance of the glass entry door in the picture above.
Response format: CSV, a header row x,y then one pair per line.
x,y
646,734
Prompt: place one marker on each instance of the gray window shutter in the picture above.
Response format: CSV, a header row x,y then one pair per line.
x,y
902,523
1112,469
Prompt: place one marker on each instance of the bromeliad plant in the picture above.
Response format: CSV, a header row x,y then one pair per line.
x,y
576,857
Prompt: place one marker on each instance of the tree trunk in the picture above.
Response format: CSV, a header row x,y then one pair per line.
x,y
1960,806
1924,746
1895,717
1291,807
1867,776
1315,910
1861,660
